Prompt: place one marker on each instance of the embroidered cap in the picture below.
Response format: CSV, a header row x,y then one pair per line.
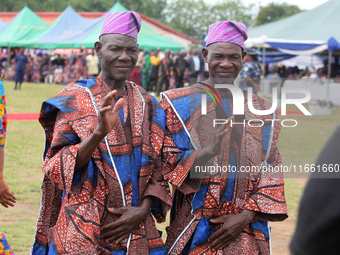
x,y
125,23
227,31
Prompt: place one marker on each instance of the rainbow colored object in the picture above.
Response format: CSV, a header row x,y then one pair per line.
x,y
5,248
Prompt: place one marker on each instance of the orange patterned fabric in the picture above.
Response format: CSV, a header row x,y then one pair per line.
x,y
74,206
3,113
226,194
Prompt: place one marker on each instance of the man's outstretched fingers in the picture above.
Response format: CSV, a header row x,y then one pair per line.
x,y
10,203
226,125
231,120
108,99
105,109
118,105
12,198
218,242
122,238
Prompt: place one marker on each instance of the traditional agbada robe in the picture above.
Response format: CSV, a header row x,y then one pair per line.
x,y
122,171
196,201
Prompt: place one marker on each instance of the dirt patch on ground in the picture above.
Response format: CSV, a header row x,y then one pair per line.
x,y
281,234
19,211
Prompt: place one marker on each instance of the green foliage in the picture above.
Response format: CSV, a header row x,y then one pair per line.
x,y
91,6
193,17
23,160
35,5
188,17
151,8
232,10
275,11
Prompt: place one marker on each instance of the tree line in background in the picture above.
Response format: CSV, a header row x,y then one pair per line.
x,y
190,17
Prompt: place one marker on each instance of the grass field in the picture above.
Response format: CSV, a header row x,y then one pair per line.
x,y
25,141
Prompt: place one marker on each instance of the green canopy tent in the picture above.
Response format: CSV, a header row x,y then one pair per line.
x,y
25,25
305,33
318,24
3,25
61,34
147,38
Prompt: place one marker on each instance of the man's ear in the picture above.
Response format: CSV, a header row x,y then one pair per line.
x,y
98,48
205,55
244,54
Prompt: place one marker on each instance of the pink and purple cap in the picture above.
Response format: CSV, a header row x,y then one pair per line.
x,y
227,31
125,23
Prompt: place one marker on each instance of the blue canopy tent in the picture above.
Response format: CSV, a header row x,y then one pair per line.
x,y
305,33
333,44
273,55
84,32
3,25
61,32
274,50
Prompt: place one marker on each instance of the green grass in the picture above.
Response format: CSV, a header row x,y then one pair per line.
x,y
23,160
30,97
25,143
301,145
22,228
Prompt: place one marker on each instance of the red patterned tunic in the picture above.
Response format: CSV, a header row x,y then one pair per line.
x,y
120,172
196,201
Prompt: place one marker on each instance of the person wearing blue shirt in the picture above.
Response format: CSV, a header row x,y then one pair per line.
x,y
20,61
250,75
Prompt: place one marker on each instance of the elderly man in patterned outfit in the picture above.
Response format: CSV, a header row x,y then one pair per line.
x,y
103,141
222,212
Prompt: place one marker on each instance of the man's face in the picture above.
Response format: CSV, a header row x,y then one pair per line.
x,y
224,61
119,54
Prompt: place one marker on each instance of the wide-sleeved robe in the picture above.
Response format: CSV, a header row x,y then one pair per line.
x,y
122,171
197,200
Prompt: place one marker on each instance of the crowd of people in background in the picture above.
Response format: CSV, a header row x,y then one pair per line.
x,y
156,70
43,66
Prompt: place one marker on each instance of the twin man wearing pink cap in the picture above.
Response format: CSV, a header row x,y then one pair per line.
x,y
218,206
112,150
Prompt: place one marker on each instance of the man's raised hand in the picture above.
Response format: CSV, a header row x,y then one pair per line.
x,y
6,196
108,115
222,137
